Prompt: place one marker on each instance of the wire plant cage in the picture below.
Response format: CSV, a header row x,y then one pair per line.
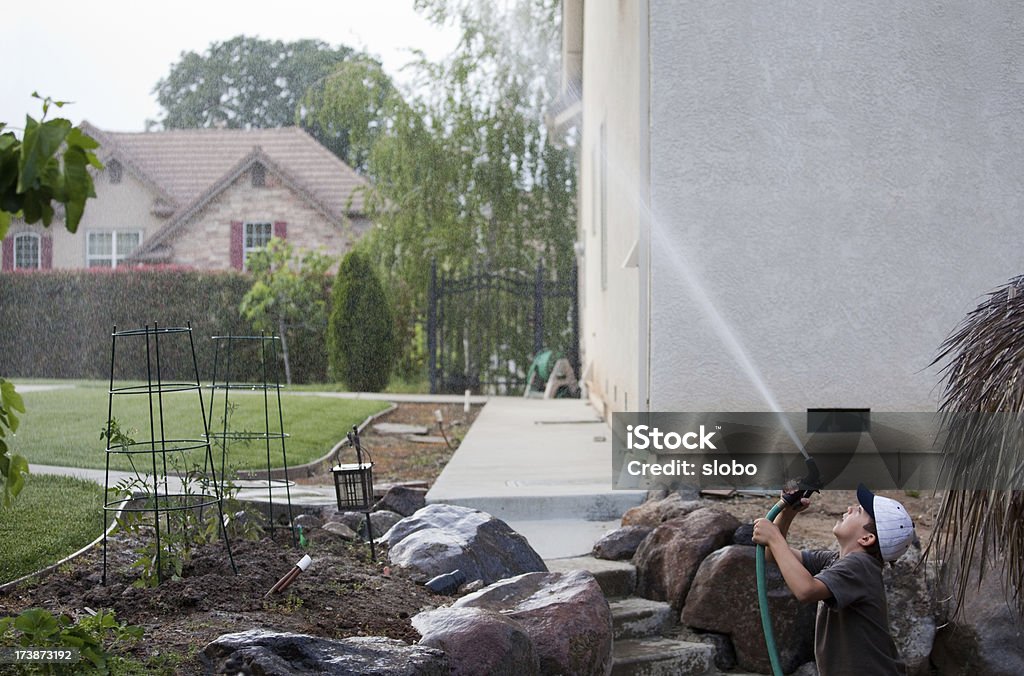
x,y
353,483
161,405
246,373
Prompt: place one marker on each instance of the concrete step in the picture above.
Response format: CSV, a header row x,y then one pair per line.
x,y
634,617
617,578
661,657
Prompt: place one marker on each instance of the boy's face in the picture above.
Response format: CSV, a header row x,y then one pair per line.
x,y
852,527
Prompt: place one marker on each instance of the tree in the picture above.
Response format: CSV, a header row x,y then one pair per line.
x,y
466,174
47,166
360,334
288,293
349,109
336,93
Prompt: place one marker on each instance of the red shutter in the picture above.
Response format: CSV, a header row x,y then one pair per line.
x,y
46,252
280,229
8,256
236,245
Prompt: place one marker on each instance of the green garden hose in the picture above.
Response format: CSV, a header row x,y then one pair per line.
x,y
804,488
762,596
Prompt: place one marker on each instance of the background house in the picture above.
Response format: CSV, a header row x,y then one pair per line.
x,y
201,198
789,206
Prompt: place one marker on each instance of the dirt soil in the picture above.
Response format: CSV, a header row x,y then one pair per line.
x,y
343,594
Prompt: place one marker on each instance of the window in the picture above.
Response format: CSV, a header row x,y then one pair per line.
x,y
256,237
109,249
27,251
259,175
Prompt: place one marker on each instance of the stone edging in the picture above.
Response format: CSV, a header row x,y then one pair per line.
x,y
316,466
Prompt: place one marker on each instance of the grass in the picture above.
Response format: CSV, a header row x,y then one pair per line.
x,y
28,539
63,426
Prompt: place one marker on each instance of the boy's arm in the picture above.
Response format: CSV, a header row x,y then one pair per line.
x,y
783,520
805,587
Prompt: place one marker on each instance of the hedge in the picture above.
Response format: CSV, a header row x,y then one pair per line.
x,y
57,324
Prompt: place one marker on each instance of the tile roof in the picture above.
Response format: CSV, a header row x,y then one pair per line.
x,y
186,163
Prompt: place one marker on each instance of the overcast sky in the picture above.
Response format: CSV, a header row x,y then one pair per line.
x,y
107,55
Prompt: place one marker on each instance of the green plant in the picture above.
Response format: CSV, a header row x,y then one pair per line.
x,y
95,636
360,336
13,467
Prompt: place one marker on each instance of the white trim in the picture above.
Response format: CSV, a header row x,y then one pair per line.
x,y
39,250
114,258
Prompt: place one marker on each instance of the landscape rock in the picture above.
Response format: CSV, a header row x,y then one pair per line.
x,y
272,653
620,543
669,557
479,641
723,599
744,535
655,512
307,521
381,522
402,500
565,614
912,591
441,538
341,530
985,638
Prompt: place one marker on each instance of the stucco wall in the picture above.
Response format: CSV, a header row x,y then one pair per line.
x,y
205,241
844,182
609,323
117,206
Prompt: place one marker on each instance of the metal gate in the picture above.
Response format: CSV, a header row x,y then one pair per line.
x,y
485,328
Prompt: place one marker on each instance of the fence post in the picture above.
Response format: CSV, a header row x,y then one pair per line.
x,y
432,327
538,311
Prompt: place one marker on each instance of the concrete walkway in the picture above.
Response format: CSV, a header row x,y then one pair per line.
x,y
542,466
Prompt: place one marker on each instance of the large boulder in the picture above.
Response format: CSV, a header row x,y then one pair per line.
x,y
656,511
985,637
565,614
272,653
669,557
620,543
442,538
479,641
723,599
912,592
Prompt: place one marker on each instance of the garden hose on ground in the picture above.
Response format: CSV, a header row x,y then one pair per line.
x,y
805,487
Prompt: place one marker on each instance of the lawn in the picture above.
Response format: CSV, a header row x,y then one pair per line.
x,y
63,426
28,539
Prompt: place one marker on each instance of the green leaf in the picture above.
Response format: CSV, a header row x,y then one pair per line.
x,y
38,146
37,623
5,223
10,397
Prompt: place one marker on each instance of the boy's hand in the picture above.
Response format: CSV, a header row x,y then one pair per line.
x,y
765,532
794,504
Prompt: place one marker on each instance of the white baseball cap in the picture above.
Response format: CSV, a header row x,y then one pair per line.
x,y
894,526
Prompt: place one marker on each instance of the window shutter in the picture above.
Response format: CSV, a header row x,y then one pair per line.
x,y
280,229
8,255
236,245
46,252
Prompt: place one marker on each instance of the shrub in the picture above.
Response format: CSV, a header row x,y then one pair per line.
x,y
360,334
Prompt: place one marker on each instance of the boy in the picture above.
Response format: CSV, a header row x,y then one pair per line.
x,y
851,633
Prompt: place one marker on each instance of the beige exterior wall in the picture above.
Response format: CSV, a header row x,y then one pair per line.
x,y
613,195
124,206
205,240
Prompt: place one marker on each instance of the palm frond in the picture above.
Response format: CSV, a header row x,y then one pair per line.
x,y
980,524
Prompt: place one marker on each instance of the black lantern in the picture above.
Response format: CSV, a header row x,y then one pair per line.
x,y
353,484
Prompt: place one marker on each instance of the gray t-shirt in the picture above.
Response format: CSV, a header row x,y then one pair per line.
x,y
851,633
